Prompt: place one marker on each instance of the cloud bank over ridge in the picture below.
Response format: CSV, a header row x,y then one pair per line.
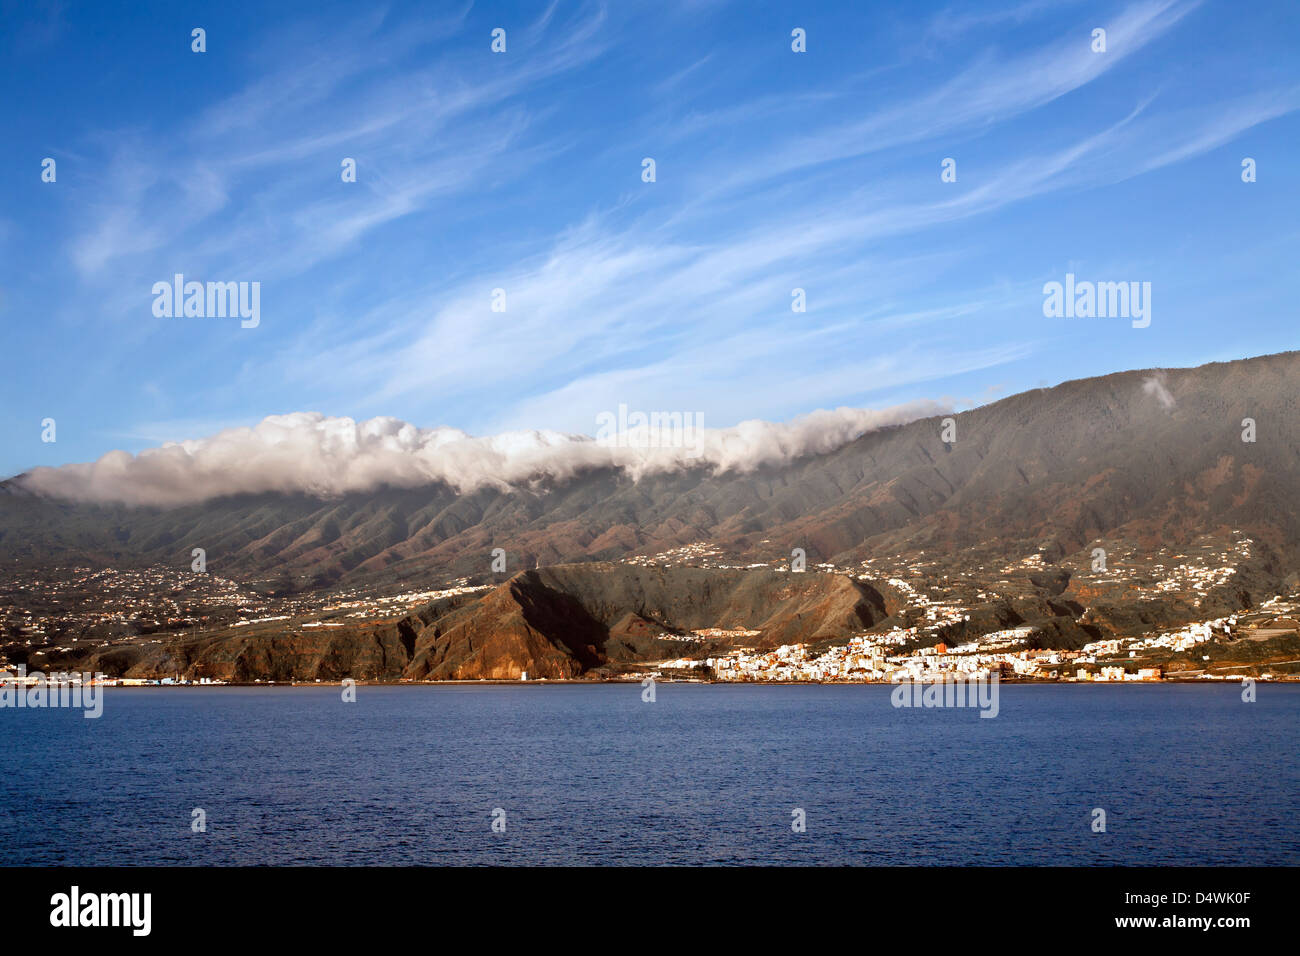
x,y
310,453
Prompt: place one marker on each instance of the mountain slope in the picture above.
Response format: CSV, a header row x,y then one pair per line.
x,y
1050,470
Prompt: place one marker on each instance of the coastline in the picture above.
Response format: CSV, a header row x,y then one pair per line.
x,y
501,682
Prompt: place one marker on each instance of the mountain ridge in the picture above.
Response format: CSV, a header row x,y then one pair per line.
x,y
1050,469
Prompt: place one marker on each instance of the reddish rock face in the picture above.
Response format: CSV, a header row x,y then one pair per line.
x,y
565,621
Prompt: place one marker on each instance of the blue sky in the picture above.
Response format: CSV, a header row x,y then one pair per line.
x,y
522,171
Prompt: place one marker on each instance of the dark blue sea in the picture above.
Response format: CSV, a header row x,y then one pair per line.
x,y
706,774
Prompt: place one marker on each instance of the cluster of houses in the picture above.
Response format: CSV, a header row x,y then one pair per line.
x,y
1180,639
868,658
1194,578
81,597
358,604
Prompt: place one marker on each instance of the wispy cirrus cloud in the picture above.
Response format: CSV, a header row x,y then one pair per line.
x,y
522,172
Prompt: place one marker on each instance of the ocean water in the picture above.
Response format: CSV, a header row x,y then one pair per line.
x,y
706,774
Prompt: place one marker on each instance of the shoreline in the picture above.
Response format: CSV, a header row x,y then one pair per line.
x,y
502,682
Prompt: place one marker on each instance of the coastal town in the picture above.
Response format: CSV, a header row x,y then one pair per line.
x,y
1001,654
950,616
940,595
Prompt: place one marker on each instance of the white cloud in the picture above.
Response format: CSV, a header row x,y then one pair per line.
x,y
1155,385
310,453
